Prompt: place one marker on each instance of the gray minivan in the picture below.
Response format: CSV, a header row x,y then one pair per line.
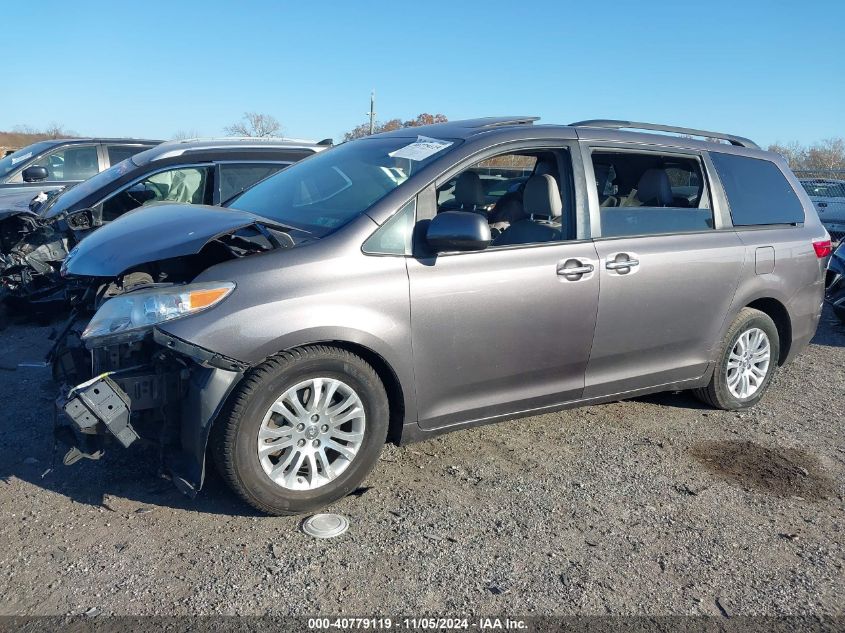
x,y
421,281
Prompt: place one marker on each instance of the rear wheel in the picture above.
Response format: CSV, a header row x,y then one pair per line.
x,y
747,362
302,430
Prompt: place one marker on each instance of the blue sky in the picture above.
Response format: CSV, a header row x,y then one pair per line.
x,y
768,70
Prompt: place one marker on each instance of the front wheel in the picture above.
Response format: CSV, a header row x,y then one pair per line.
x,y
747,362
302,430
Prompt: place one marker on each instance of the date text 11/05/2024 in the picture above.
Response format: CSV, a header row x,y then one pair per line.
x,y
424,623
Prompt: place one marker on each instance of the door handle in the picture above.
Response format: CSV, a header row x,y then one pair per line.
x,y
627,263
573,269
822,204
577,270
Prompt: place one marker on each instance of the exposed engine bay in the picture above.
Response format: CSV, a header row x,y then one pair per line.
x,y
31,253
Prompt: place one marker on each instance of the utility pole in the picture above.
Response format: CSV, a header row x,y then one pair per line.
x,y
372,112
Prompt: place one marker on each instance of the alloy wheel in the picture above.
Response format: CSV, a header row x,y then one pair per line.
x,y
311,434
748,363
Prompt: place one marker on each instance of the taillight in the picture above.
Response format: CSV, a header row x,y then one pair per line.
x,y
822,248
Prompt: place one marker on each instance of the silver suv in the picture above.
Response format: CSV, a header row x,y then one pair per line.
x,y
417,282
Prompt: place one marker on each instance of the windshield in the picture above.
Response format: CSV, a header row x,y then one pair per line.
x,y
17,159
324,192
71,195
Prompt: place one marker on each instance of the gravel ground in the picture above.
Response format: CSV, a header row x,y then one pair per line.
x,y
652,506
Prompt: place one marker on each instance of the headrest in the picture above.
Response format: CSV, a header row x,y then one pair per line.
x,y
468,190
545,167
654,189
541,197
507,209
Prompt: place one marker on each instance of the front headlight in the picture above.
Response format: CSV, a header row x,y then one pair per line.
x,y
130,316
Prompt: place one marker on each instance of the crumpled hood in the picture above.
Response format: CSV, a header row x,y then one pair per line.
x,y
14,203
153,233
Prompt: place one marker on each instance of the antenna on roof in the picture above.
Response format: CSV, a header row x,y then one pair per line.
x,y
372,112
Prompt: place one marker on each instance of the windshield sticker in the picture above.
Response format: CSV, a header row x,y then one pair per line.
x,y
18,159
420,149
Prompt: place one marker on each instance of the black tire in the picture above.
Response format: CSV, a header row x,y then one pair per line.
x,y
234,435
717,394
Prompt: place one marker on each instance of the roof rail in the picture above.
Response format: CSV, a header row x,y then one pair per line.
x,y
636,125
499,121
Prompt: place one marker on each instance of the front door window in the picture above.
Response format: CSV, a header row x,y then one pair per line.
x,y
184,184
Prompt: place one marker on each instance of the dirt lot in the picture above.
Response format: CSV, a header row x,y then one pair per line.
x,y
652,506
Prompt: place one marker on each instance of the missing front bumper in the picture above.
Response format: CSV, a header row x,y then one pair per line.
x,y
100,404
170,400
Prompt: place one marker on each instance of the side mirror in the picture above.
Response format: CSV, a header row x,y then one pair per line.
x,y
458,231
80,220
35,173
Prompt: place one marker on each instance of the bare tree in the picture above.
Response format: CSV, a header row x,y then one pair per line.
x,y
826,155
793,152
57,130
54,130
829,154
183,135
254,124
363,130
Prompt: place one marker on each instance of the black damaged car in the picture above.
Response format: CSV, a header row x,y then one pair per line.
x,y
835,282
36,234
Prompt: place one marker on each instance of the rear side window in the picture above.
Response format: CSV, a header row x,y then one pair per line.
x,y
758,192
118,153
648,193
235,178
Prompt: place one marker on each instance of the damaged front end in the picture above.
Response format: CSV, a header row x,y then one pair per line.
x,y
155,390
123,380
32,250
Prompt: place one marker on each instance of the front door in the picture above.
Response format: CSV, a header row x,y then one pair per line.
x,y
508,329
501,331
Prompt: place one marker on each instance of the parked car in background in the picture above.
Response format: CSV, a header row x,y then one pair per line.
x,y
828,196
835,282
365,294
48,165
36,235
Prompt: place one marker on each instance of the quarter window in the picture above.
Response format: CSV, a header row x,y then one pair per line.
x,y
394,236
758,192
650,194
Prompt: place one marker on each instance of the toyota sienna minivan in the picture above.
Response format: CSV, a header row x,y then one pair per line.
x,y
426,280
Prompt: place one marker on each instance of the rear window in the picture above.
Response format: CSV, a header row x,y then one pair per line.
x,y
824,188
758,192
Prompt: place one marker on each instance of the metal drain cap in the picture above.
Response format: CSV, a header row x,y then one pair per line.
x,y
325,525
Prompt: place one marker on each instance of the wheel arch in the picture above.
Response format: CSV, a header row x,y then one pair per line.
x,y
388,377
778,313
